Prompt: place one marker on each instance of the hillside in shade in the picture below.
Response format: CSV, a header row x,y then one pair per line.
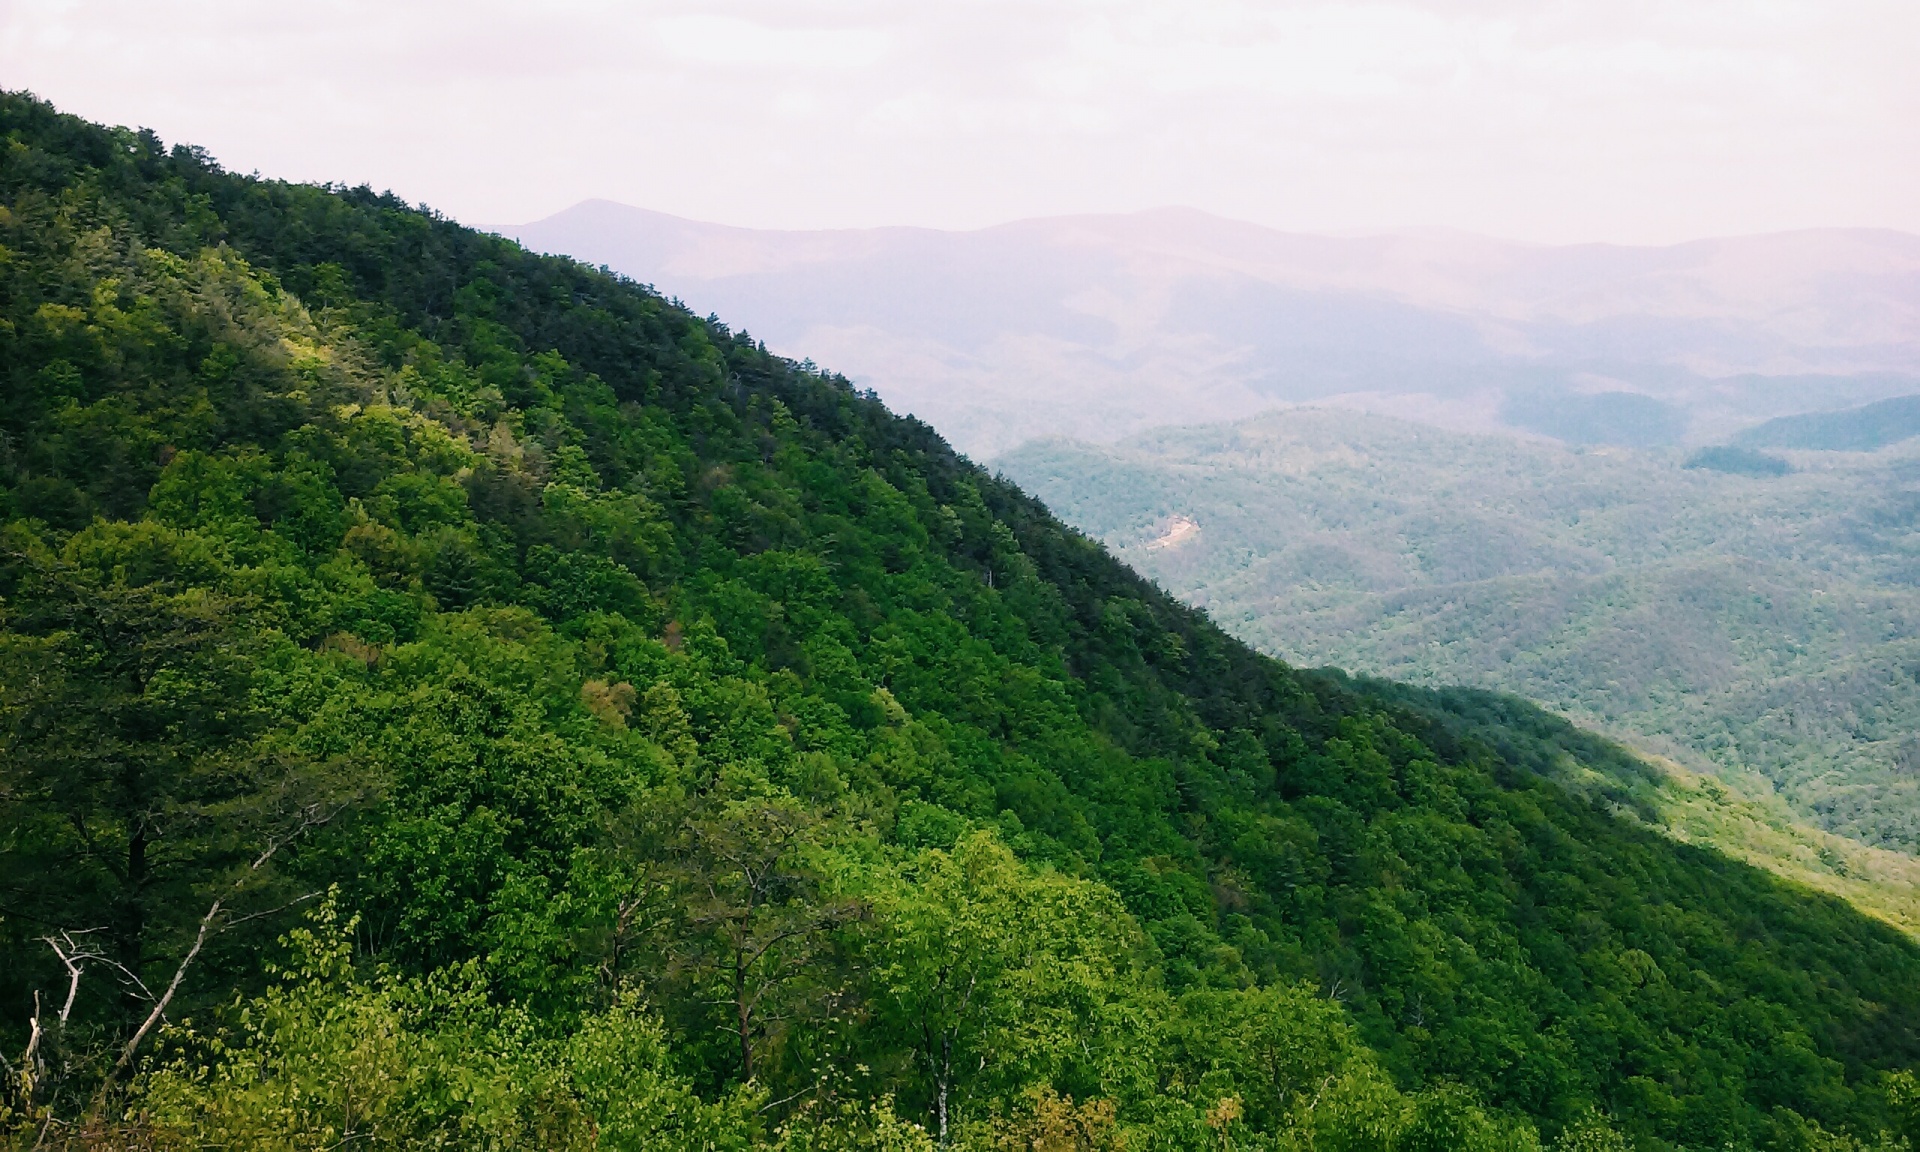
x,y
1095,327
454,697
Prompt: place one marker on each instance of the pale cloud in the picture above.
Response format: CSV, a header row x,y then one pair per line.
x,y
1549,119
711,39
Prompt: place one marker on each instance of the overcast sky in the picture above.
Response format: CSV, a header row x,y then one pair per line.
x,y
1556,120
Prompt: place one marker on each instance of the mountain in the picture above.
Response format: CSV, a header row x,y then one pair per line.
x,y
1095,327
1745,623
456,697
1850,430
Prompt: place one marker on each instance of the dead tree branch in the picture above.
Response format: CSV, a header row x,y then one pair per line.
x,y
210,925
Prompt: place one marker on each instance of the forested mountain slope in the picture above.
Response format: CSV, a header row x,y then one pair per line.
x,y
1746,625
477,703
1854,429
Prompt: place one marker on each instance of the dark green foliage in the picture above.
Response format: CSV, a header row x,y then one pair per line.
x,y
1738,461
612,658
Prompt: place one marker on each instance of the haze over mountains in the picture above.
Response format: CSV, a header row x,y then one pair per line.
x,y
1096,327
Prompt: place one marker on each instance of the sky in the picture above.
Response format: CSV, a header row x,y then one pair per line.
x,y
1630,121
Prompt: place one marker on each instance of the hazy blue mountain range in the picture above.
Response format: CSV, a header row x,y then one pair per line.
x,y
1854,429
1099,326
1738,623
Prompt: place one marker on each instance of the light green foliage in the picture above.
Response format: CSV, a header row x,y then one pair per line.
x,y
848,1126
992,976
329,1058
1590,1133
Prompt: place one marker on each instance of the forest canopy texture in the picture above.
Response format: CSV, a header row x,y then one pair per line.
x,y
455,697
1753,621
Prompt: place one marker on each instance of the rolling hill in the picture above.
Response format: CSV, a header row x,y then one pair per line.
x,y
1860,429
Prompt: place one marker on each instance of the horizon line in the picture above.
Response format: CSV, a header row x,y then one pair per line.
x,y
1366,233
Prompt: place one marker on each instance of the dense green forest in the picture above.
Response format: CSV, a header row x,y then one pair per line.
x,y
1745,622
451,697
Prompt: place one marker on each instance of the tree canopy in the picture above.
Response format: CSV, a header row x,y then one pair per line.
x,y
454,696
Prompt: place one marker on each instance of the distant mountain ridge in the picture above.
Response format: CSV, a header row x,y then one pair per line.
x,y
1100,326
1850,430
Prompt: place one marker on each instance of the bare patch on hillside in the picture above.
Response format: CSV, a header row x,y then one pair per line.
x,y
1180,531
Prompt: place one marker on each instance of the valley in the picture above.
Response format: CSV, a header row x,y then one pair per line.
x,y
1761,628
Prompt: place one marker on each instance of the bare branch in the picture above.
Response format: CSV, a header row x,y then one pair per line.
x,y
128,977
211,924
772,1104
207,927
33,1037
266,912
71,958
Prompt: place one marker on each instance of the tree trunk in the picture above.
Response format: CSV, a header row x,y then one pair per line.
x,y
944,1080
133,918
